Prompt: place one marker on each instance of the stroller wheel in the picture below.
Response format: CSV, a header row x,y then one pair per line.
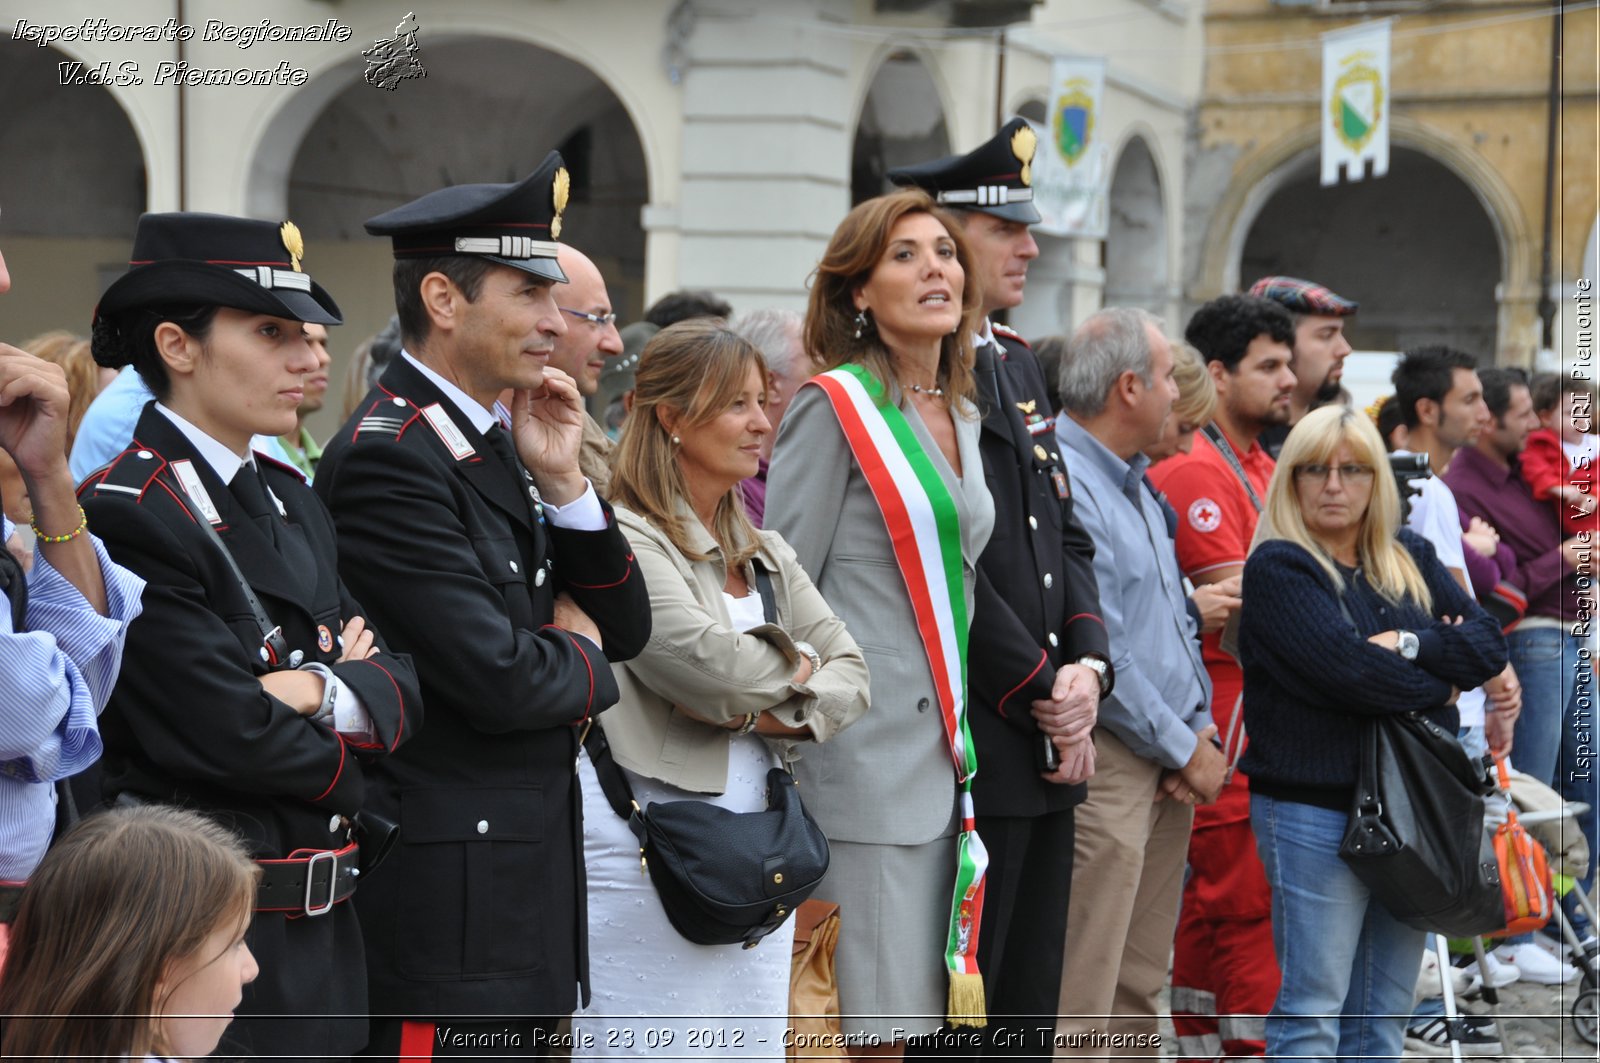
x,y
1584,1010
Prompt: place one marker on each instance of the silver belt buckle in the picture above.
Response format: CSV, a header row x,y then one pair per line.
x,y
333,881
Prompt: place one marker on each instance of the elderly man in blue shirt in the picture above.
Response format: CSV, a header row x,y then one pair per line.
x,y
1155,759
61,626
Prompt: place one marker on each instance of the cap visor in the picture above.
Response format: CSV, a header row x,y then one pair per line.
x,y
1026,213
548,268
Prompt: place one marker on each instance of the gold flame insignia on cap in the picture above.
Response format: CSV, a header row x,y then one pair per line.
x,y
292,243
1024,142
558,194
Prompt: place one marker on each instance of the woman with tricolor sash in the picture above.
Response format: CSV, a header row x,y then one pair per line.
x,y
877,483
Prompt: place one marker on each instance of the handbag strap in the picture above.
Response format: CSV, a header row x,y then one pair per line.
x,y
769,601
613,783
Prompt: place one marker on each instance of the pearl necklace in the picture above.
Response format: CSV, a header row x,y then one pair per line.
x,y
937,393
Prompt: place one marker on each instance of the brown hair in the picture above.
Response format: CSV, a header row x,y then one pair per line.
x,y
853,254
695,368
119,897
71,353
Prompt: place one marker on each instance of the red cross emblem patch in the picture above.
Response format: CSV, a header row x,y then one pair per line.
x,y
1204,515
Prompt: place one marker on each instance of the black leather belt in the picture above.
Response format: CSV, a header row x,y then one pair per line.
x,y
10,894
310,884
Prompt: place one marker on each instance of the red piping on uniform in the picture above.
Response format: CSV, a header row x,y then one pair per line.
x,y
1086,616
416,1040
587,666
400,730
1044,659
605,586
336,775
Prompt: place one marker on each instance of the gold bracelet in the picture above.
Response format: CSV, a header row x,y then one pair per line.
x,y
749,724
83,526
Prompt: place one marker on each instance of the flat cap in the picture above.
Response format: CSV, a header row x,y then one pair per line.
x,y
515,225
996,177
1303,297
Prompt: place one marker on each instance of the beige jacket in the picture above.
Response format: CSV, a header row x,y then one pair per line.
x,y
696,659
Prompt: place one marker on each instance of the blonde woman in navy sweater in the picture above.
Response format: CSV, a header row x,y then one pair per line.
x,y
1331,524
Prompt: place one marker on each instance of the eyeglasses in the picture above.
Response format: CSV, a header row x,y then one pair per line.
x,y
1349,472
597,320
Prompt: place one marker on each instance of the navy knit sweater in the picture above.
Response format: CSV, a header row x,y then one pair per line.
x,y
1310,679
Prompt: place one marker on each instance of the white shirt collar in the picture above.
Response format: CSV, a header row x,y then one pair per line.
x,y
984,336
482,417
223,461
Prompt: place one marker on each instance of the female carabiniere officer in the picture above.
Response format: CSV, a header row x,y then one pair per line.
x,y
251,684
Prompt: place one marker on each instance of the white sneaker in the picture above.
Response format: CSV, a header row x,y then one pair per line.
x,y
1498,972
1428,984
1536,964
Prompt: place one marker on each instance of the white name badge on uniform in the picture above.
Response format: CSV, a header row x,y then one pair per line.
x,y
446,429
190,481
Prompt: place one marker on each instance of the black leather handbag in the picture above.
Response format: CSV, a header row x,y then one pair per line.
x,y
1415,836
722,876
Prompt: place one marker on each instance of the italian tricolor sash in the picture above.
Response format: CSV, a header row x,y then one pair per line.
x,y
925,531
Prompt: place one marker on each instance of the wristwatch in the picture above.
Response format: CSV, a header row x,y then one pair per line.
x,y
1101,670
330,691
805,649
1407,645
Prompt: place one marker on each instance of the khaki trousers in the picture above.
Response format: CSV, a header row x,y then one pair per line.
x,y
1127,880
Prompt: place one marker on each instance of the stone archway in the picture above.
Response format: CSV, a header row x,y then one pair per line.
x,y
902,121
1135,256
70,202
1416,249
1213,259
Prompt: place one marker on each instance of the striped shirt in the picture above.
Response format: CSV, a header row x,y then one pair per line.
x,y
55,678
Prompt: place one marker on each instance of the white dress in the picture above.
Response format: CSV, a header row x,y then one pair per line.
x,y
653,993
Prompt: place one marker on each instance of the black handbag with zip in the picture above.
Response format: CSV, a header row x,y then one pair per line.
x,y
1415,836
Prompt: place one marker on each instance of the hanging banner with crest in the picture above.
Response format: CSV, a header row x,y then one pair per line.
x,y
1355,101
1072,171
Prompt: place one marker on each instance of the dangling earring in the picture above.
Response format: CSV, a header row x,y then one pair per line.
x,y
861,322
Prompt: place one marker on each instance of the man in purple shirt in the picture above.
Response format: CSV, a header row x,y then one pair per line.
x,y
1549,647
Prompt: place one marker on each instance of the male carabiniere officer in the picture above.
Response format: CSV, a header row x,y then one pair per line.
x,y
1039,661
486,553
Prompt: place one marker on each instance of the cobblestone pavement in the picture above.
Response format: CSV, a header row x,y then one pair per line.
x,y
1535,1025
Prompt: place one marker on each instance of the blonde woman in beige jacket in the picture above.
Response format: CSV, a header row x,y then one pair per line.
x,y
718,697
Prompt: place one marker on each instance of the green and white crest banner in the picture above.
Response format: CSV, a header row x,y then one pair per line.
x,y
1355,101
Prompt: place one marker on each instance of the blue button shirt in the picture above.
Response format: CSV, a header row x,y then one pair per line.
x,y
55,678
1163,694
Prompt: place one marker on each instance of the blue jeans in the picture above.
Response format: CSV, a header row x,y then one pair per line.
x,y
1546,660
1348,966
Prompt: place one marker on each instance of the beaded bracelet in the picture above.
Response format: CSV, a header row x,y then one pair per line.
x,y
83,526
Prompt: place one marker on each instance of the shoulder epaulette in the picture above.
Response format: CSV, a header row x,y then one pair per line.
x,y
1010,333
128,475
387,418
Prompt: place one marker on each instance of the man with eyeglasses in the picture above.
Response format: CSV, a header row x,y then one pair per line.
x,y
581,352
1224,970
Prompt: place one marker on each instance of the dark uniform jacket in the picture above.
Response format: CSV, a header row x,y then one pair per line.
x,y
484,913
189,722
1037,606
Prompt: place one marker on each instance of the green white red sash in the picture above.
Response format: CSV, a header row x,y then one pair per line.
x,y
925,531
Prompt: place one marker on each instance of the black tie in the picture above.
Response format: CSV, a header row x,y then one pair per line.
x,y
251,492
249,487
499,441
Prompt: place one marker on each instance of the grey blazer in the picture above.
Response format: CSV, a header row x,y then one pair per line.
x,y
890,778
